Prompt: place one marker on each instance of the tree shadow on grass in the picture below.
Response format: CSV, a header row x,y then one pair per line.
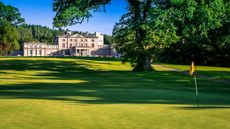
x,y
107,87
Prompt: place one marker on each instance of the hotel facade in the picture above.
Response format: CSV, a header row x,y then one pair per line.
x,y
71,45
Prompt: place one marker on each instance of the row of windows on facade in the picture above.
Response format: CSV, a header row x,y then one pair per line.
x,y
42,46
92,40
71,45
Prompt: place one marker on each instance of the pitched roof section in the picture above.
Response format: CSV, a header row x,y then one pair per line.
x,y
78,36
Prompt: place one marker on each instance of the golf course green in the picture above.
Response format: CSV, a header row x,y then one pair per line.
x,y
102,93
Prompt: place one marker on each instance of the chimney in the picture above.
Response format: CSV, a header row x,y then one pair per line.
x,y
68,32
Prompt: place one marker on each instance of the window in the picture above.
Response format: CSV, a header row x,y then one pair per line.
x,y
75,40
31,52
92,40
92,45
86,40
81,40
71,40
63,45
40,52
86,44
63,40
71,45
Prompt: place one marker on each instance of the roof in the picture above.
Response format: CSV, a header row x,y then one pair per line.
x,y
34,43
78,36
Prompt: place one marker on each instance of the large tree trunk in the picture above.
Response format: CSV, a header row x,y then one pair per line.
x,y
148,63
143,63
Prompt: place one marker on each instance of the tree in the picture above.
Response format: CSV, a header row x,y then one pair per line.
x,y
8,38
10,14
157,31
203,31
9,18
108,39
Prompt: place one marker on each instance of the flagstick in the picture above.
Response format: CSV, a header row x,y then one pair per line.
x,y
197,93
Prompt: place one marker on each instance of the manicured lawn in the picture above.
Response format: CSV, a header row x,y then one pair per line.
x,y
96,93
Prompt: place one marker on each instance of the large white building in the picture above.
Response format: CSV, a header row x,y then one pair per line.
x,y
71,45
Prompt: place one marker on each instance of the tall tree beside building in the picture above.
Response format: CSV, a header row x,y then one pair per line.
x,y
108,39
9,18
157,31
8,38
185,30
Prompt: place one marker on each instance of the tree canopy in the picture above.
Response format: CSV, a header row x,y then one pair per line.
x,y
203,28
108,39
75,11
10,14
9,18
8,38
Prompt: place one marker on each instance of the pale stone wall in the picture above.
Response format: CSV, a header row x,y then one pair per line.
x,y
100,39
83,45
39,49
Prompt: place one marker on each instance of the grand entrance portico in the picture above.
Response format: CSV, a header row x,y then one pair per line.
x,y
83,52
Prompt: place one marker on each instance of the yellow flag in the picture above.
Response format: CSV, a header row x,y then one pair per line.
x,y
192,69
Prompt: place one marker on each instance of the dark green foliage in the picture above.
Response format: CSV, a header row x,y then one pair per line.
x,y
8,38
142,32
10,14
37,33
124,37
75,11
108,39
9,18
203,28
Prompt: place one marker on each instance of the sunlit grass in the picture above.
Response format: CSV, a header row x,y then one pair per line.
x,y
101,93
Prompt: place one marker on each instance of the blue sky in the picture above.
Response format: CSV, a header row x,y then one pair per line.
x,y
40,12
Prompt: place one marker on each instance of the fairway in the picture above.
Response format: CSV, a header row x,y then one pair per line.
x,y
101,93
